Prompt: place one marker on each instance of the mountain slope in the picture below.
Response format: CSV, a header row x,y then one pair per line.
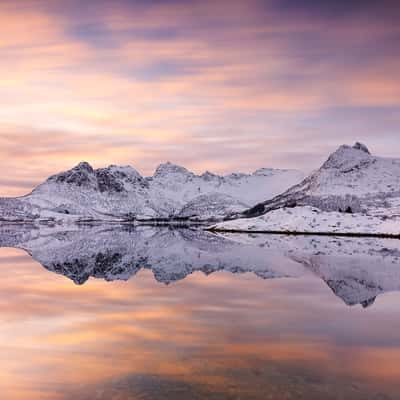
x,y
122,193
353,193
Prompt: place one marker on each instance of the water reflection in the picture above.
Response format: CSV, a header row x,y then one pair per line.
x,y
356,269
218,336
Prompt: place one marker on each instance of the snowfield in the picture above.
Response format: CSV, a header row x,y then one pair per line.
x,y
312,220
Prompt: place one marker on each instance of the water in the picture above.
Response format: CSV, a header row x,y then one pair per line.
x,y
198,316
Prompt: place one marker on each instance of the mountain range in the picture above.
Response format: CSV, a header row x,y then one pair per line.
x,y
353,192
121,193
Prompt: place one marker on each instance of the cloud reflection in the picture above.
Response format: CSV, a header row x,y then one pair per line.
x,y
218,334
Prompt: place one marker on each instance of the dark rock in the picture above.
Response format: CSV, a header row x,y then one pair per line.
x,y
108,182
362,147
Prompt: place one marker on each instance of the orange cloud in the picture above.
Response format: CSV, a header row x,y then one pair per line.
x,y
163,76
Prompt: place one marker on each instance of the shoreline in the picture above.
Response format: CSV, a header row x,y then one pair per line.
x,y
199,225
306,233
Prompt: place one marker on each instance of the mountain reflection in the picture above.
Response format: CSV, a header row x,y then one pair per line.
x,y
357,270
222,336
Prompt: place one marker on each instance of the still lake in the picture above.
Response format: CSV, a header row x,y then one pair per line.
x,y
145,313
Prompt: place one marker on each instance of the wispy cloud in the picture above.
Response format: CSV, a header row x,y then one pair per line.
x,y
252,78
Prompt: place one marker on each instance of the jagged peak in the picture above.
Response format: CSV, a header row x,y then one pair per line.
x,y
82,174
84,166
109,179
170,168
114,178
348,156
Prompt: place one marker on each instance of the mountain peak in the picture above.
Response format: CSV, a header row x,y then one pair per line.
x,y
84,166
170,168
350,180
80,175
347,157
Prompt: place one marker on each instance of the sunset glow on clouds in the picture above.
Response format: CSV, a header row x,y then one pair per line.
x,y
212,85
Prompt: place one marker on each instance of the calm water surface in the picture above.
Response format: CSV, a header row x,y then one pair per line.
x,y
221,336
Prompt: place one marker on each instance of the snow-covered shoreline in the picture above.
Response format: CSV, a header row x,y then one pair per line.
x,y
311,220
286,221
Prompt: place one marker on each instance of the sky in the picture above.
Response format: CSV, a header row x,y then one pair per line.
x,y
212,85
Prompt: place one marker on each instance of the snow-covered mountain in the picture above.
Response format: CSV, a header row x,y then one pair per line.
x,y
353,193
350,180
356,269
121,192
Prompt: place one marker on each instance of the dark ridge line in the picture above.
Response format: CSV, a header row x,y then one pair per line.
x,y
300,233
